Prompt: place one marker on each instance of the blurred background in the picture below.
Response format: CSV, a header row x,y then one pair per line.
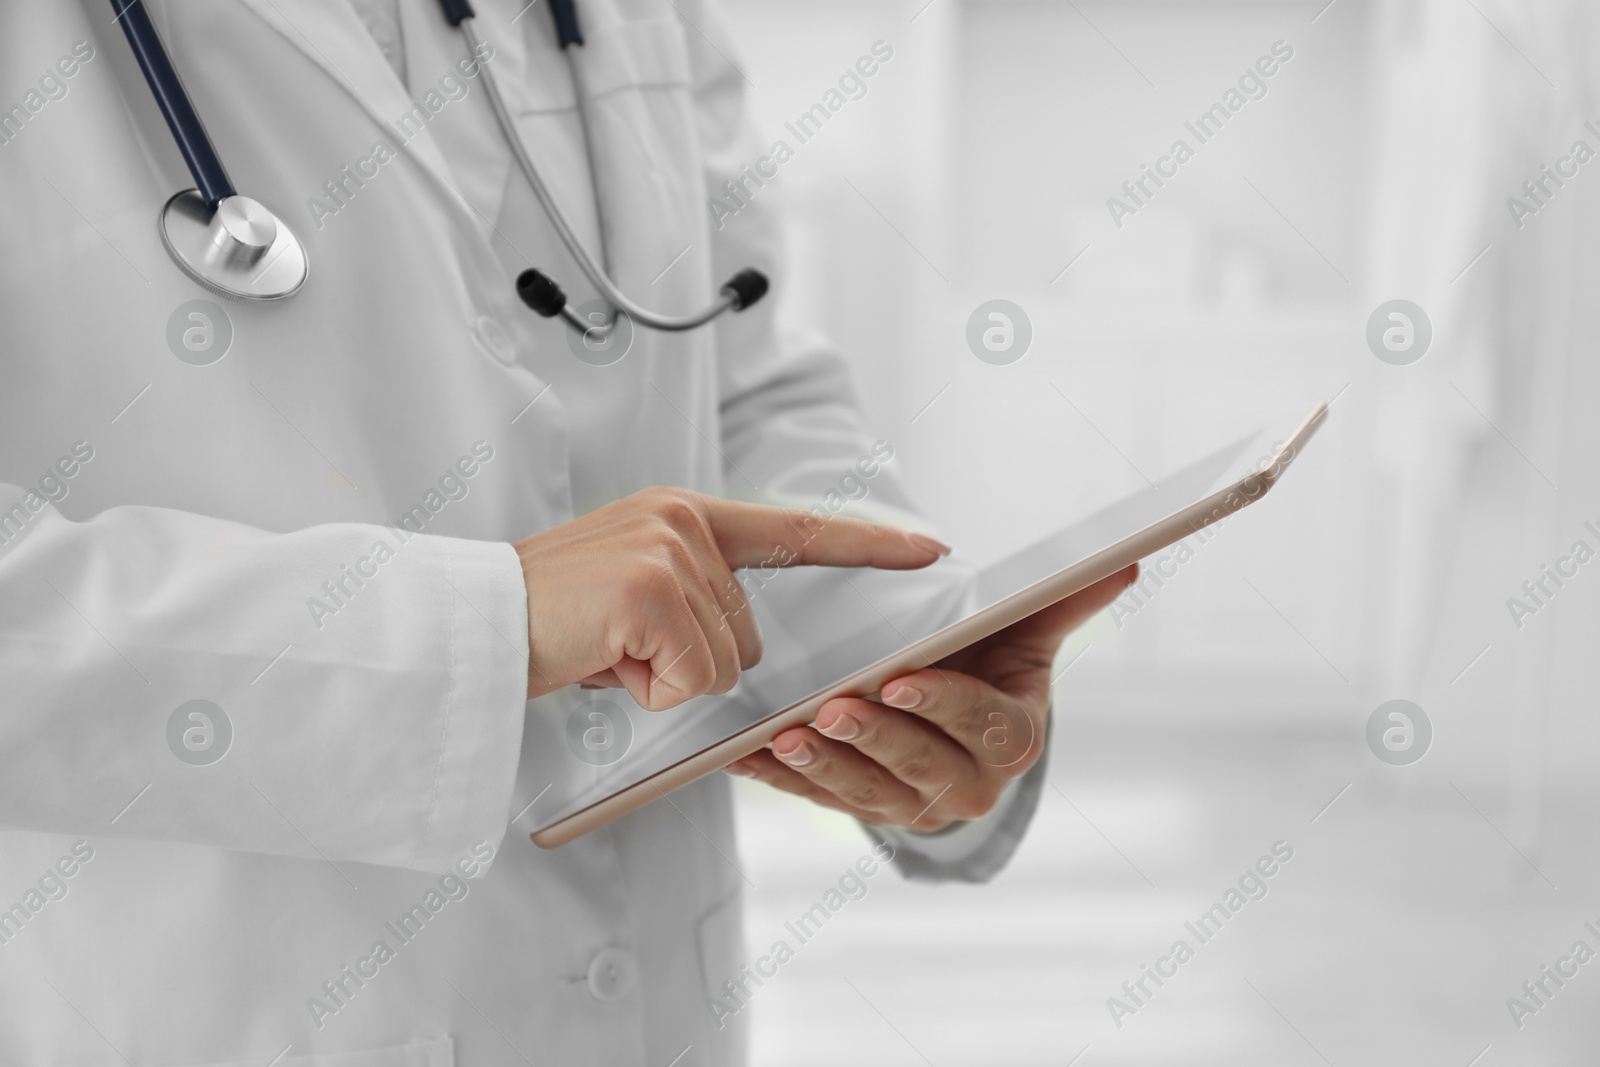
x,y
1229,711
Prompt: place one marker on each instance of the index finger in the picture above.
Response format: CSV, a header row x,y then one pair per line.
x,y
750,535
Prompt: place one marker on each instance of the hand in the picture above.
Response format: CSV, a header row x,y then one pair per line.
x,y
641,594
945,740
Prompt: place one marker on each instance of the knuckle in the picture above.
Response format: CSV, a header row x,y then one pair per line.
x,y
678,510
668,540
735,600
656,580
727,672
698,671
916,764
681,561
871,735
978,717
971,717
865,793
1003,738
656,494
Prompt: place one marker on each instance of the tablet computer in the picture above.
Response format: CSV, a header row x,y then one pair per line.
x,y
870,627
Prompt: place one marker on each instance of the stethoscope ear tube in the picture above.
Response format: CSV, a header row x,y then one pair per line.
x,y
543,295
456,10
566,20
204,163
540,292
746,287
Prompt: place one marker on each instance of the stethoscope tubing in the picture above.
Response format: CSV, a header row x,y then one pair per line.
x,y
213,186
591,269
210,177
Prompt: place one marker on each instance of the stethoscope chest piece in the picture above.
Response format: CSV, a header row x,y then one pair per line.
x,y
240,249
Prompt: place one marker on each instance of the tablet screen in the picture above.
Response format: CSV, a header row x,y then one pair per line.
x,y
821,625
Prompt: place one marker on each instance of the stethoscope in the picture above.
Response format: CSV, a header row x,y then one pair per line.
x,y
235,246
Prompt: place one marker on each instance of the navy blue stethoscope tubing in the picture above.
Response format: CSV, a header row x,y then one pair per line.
x,y
210,177
566,18
562,11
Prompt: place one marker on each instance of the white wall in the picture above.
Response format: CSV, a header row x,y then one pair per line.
x,y
1376,167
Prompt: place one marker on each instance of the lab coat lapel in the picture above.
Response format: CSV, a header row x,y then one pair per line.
x,y
471,140
331,34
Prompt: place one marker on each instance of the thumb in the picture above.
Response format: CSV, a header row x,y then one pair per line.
x,y
1058,620
750,535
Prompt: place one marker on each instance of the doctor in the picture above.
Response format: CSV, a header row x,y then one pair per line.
x,y
278,581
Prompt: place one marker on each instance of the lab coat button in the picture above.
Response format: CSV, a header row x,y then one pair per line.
x,y
611,974
492,338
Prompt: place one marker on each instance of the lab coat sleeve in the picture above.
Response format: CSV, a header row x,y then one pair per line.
x,y
384,731
791,423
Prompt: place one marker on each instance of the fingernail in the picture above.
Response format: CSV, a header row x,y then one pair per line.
x,y
928,544
843,728
798,758
737,770
907,696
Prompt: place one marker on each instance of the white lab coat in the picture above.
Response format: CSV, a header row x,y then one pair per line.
x,y
376,747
